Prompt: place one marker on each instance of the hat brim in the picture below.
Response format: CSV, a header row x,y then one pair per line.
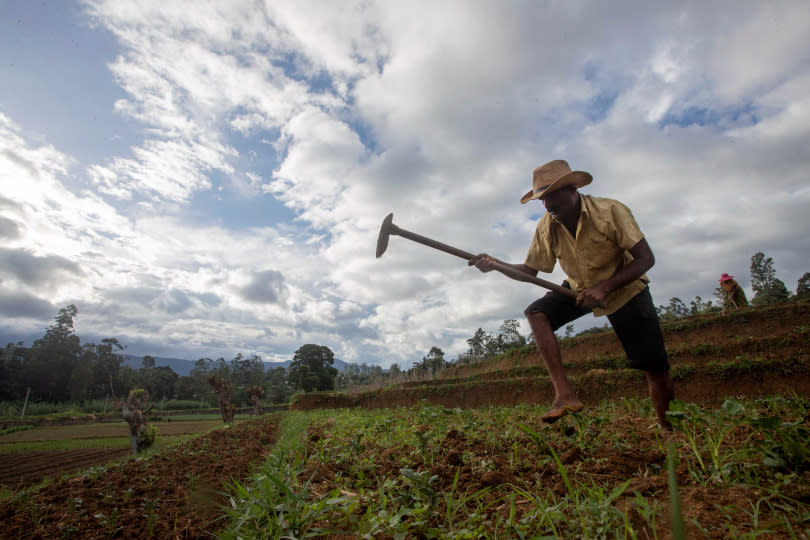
x,y
574,178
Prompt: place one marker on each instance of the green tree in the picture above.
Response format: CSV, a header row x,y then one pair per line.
x,y
477,343
159,381
195,385
569,330
275,384
394,372
510,337
53,358
107,372
246,372
432,363
312,369
148,362
12,358
768,289
354,375
803,288
675,310
188,387
81,378
698,306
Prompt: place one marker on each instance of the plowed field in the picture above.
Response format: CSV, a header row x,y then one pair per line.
x,y
173,494
20,469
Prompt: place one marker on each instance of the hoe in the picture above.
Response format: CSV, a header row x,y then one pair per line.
x,y
388,228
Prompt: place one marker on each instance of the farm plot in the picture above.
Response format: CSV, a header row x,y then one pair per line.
x,y
171,494
21,469
102,430
30,456
741,471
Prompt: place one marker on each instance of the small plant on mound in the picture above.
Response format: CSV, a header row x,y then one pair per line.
x,y
784,442
135,410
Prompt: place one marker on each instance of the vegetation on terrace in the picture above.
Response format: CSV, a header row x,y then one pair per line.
x,y
427,471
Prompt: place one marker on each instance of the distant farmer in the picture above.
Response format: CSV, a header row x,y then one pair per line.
x,y
605,256
733,295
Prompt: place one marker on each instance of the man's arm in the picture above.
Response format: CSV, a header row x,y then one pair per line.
x,y
643,260
484,262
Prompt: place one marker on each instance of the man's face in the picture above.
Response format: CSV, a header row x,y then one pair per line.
x,y
562,202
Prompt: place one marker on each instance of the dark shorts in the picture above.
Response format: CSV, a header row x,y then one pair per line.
x,y
635,323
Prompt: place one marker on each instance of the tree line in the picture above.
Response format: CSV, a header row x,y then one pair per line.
x,y
59,368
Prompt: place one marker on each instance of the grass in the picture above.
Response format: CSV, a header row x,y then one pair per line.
x,y
422,471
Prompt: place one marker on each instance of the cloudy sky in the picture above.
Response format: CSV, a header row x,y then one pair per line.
x,y
209,178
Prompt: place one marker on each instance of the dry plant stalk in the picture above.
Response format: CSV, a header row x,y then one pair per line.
x,y
255,394
222,387
134,410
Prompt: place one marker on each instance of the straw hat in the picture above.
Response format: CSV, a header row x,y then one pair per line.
x,y
553,176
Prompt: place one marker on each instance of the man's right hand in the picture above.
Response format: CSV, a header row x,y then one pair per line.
x,y
483,262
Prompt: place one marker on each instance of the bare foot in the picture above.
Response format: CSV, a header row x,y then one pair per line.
x,y
558,410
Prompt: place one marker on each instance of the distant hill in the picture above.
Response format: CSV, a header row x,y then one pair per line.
x,y
183,367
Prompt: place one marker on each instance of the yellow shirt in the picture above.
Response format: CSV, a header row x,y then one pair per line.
x,y
606,231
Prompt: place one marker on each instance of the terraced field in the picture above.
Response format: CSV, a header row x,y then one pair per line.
x,y
754,353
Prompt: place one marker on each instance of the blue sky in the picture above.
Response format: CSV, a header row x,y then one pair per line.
x,y
203,180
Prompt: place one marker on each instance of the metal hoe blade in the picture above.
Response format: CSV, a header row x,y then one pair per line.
x,y
385,233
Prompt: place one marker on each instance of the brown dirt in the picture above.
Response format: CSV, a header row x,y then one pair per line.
x,y
22,469
174,494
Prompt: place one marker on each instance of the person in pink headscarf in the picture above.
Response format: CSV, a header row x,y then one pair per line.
x,y
734,295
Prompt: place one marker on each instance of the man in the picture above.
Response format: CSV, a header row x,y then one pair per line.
x,y
734,296
605,256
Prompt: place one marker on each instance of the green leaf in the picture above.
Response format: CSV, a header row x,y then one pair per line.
x,y
732,407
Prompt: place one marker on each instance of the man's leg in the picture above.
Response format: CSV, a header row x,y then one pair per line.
x,y
565,399
661,393
639,331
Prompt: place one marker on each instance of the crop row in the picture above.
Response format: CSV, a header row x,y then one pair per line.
x,y
428,471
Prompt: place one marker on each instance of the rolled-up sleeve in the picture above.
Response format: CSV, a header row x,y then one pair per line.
x,y
625,229
541,254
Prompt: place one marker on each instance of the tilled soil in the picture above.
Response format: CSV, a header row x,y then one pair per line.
x,y
22,469
174,494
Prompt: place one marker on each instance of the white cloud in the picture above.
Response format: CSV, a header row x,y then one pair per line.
x,y
695,115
